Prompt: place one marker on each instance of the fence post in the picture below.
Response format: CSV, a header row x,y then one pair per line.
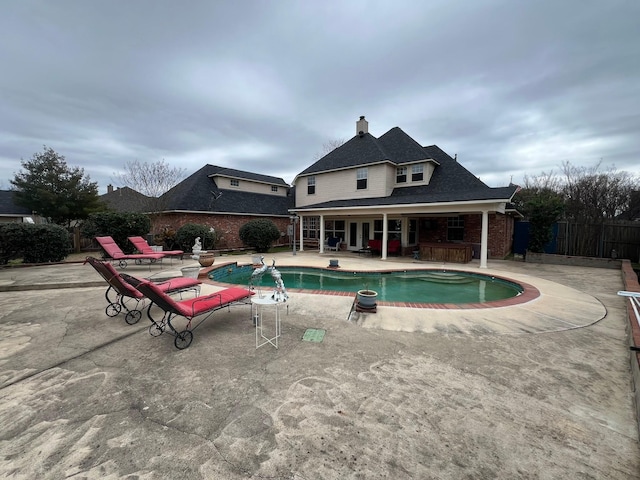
x,y
76,239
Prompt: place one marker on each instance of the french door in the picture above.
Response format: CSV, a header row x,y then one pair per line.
x,y
359,234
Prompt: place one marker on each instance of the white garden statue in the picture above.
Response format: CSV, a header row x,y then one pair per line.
x,y
197,247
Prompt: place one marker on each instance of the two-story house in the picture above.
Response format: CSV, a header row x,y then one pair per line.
x,y
391,188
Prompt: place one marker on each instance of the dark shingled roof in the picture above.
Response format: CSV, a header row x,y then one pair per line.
x,y
256,177
8,206
126,199
199,193
450,182
394,146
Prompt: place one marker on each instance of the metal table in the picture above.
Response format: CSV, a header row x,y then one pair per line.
x,y
259,306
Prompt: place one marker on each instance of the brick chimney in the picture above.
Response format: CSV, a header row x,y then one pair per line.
x,y
362,126
109,188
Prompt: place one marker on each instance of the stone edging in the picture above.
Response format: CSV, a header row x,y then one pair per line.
x,y
548,258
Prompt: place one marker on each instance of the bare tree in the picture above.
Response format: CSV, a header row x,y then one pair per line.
x,y
149,178
592,195
544,181
328,147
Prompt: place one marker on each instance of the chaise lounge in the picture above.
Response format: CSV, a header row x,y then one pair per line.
x,y
126,293
189,308
143,247
113,252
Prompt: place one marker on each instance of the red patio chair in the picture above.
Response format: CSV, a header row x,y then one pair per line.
x,y
126,294
189,308
114,252
143,247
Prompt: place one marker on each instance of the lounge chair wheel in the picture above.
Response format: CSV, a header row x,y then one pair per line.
x,y
133,316
155,329
183,339
113,309
122,264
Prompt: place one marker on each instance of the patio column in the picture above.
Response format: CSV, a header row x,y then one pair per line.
x,y
484,239
321,239
301,247
385,234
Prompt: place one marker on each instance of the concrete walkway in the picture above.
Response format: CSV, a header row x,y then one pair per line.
x,y
538,390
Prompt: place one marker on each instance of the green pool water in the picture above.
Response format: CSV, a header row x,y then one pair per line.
x,y
418,286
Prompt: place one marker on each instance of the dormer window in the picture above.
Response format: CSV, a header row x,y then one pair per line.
x,y
401,175
417,173
311,185
361,178
235,182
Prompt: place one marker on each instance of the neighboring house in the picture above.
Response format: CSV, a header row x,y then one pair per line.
x,y
391,188
226,199
12,213
125,199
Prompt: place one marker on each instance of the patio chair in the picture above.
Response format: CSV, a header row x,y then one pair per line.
x,y
113,252
332,243
126,294
189,308
394,247
143,247
375,246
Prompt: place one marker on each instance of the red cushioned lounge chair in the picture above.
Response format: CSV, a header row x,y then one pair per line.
x,y
127,295
189,308
143,247
114,252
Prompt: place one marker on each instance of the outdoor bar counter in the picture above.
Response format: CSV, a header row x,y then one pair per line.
x,y
446,252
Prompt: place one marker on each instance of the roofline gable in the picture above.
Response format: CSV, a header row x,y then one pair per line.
x,y
244,175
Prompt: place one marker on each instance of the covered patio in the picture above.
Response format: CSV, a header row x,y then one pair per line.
x,y
420,228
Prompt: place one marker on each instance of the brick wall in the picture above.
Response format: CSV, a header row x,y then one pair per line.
x,y
500,234
226,225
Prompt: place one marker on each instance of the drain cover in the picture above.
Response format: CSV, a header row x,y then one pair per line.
x,y
313,335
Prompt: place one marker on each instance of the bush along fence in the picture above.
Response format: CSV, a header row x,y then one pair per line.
x,y
39,243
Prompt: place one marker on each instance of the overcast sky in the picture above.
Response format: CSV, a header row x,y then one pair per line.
x,y
512,87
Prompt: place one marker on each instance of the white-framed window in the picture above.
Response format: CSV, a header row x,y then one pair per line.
x,y
455,229
311,185
310,227
274,188
235,182
417,173
401,175
335,228
361,178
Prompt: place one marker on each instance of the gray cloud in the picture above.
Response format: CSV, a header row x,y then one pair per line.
x,y
513,88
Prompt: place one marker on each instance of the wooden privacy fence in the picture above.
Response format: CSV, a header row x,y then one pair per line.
x,y
605,240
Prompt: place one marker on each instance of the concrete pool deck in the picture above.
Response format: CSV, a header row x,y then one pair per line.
x,y
536,390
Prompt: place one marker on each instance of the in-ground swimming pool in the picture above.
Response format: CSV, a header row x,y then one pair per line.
x,y
411,286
